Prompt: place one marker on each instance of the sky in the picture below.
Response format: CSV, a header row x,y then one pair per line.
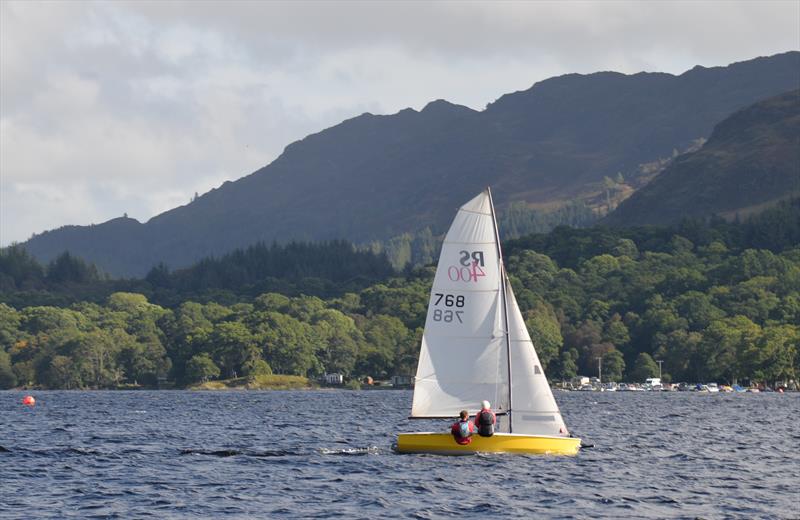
x,y
112,108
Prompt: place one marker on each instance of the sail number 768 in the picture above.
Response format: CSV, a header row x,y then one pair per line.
x,y
448,315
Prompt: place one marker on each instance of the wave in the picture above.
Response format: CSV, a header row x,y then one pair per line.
x,y
235,452
49,452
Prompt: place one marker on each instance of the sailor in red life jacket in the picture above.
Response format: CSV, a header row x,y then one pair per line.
x,y
462,429
485,420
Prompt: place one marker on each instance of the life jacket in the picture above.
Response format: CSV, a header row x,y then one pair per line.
x,y
485,423
463,429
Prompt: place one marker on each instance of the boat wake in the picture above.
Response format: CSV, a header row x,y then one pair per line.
x,y
370,450
234,453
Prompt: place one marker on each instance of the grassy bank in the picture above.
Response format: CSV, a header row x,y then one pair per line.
x,y
265,382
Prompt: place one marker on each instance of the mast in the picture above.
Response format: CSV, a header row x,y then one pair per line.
x,y
505,305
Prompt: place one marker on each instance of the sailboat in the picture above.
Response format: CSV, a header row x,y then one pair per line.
x,y
476,347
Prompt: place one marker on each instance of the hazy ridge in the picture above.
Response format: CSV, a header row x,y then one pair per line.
x,y
374,177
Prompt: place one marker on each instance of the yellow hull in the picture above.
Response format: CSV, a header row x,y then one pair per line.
x,y
444,444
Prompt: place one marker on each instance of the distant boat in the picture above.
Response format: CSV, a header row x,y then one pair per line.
x,y
476,347
713,388
653,383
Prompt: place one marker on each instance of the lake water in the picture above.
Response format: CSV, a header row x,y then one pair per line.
x,y
326,454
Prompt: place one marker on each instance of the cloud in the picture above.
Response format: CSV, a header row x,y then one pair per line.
x,y
113,107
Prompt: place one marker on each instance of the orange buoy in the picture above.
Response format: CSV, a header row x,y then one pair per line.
x,y
28,400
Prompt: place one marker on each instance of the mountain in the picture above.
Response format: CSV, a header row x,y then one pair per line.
x,y
374,177
751,160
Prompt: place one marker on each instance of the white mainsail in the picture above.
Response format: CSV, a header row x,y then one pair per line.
x,y
464,357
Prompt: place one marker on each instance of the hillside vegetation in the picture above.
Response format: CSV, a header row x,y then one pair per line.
x,y
713,300
751,159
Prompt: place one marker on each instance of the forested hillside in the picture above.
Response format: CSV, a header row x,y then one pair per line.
x,y
375,177
713,300
324,269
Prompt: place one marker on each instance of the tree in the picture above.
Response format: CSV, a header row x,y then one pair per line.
x,y
567,366
585,340
62,373
67,268
424,247
616,332
201,368
339,340
682,355
305,307
9,326
18,269
535,271
545,333
159,276
773,356
408,302
680,244
384,340
626,247
349,303
256,367
697,309
7,377
186,332
232,345
133,321
753,298
94,354
613,365
644,368
48,320
287,343
272,302
724,345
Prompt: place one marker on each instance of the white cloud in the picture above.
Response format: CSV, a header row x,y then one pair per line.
x,y
112,107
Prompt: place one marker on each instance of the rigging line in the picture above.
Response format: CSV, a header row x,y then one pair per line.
x,y
504,293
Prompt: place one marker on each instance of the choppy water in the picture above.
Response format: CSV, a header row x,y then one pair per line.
x,y
328,454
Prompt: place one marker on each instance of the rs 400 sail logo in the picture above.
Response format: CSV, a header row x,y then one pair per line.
x,y
470,268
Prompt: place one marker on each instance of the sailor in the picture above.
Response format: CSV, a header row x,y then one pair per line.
x,y
485,420
463,429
